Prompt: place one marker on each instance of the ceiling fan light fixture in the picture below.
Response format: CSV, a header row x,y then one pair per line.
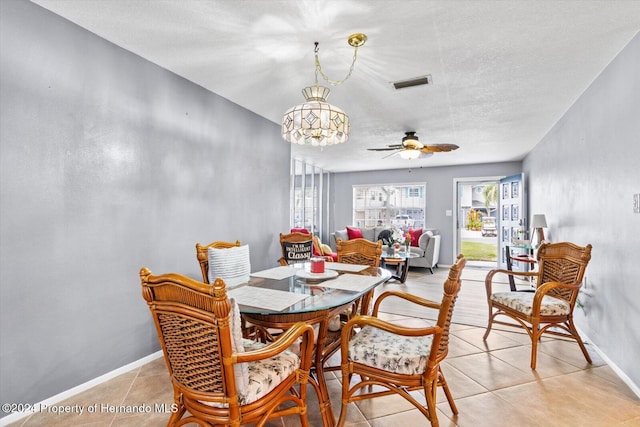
x,y
410,154
411,140
316,122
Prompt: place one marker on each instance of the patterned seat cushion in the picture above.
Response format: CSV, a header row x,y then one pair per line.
x,y
263,375
256,379
390,352
523,302
266,374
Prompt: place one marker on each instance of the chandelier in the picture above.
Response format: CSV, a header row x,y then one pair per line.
x,y
316,122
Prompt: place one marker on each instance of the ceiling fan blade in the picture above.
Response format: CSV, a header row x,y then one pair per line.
x,y
439,148
384,149
389,155
425,155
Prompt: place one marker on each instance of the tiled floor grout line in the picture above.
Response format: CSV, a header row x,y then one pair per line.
x,y
124,398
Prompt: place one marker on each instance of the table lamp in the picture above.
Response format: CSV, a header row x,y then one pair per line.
x,y
539,223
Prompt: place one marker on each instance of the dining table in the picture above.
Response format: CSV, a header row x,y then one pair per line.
x,y
277,298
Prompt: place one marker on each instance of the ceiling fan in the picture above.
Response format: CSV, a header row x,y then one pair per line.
x,y
411,148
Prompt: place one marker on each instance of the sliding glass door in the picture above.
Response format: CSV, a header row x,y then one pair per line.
x,y
476,224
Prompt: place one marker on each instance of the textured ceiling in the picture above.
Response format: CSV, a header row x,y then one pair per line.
x,y
503,71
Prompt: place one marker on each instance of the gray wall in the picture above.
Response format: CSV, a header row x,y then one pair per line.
x,y
582,176
439,192
110,163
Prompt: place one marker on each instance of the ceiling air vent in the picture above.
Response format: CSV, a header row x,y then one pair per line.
x,y
417,81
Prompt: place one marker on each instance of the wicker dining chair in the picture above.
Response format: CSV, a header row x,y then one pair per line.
x,y
549,309
359,251
296,247
397,358
213,378
202,253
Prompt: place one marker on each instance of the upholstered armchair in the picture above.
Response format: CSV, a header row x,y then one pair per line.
x,y
428,250
396,358
548,310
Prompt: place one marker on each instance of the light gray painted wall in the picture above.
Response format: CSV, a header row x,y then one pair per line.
x,y
110,163
582,176
439,192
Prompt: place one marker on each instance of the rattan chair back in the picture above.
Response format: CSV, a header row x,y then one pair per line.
x,y
193,322
359,251
563,262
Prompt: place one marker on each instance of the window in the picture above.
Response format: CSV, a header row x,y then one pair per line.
x,y
415,191
309,189
386,205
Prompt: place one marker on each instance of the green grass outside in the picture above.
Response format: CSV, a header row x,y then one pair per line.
x,y
479,251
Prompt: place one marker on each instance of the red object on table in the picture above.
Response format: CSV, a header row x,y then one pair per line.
x,y
317,265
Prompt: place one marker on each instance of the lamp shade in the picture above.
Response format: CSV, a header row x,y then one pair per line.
x,y
410,154
315,122
539,221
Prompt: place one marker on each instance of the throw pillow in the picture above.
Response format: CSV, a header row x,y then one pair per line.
x,y
415,236
354,233
240,370
231,265
317,249
326,249
341,234
300,230
297,252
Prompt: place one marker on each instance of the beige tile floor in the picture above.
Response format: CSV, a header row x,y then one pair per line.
x,y
491,381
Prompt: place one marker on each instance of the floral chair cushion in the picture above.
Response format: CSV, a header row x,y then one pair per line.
x,y
523,302
266,374
390,352
256,379
263,375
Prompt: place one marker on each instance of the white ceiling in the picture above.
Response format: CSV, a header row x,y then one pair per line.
x,y
503,71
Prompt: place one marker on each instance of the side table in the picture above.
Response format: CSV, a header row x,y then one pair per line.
x,y
400,261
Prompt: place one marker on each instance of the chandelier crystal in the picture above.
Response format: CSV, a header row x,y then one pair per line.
x,y
316,122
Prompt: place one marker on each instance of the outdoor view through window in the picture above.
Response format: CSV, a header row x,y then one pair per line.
x,y
386,205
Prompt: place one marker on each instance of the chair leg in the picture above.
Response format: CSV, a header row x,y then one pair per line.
x,y
430,394
445,387
304,420
535,337
343,407
576,336
346,383
489,324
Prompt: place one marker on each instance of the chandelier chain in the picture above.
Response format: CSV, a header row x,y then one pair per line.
x,y
324,76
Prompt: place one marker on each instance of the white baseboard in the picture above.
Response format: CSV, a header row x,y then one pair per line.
x,y
80,388
619,372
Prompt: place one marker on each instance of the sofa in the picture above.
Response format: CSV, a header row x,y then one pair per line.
x,y
428,248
